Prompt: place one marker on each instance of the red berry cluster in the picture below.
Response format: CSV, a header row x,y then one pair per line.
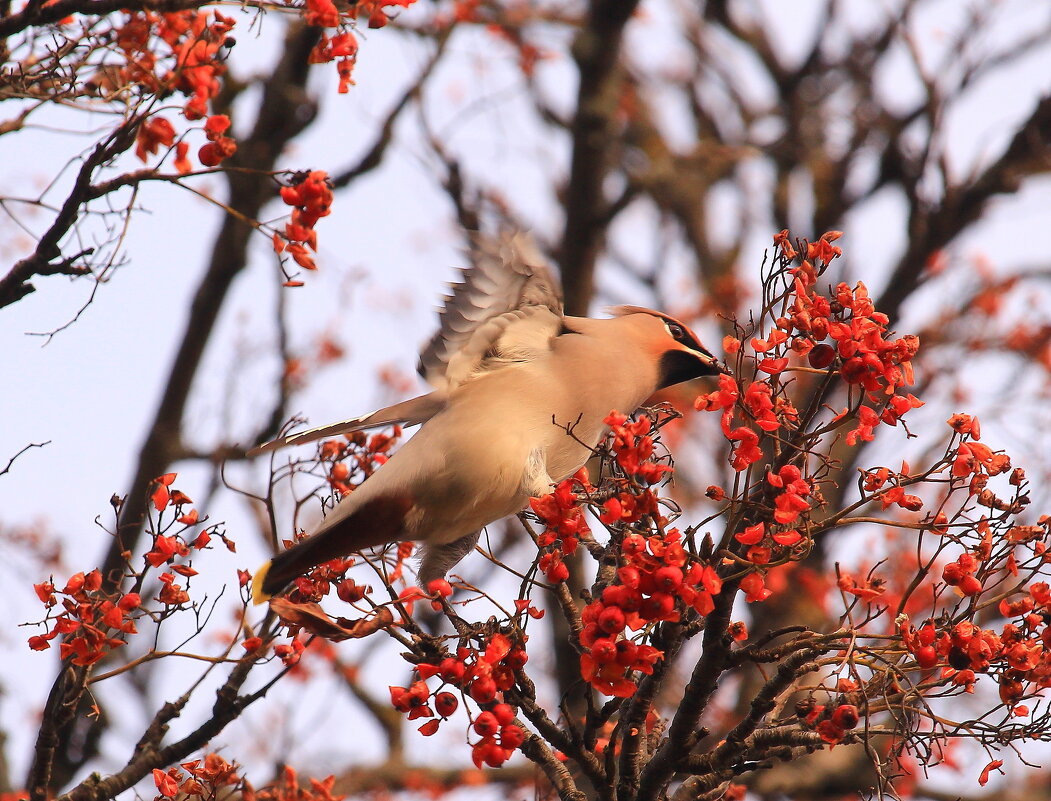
x,y
961,574
199,777
310,195
746,450
563,518
318,583
633,447
832,723
657,575
895,495
90,625
1019,657
219,145
758,404
343,47
974,458
291,652
365,453
764,541
346,462
860,349
197,66
196,43
500,736
481,673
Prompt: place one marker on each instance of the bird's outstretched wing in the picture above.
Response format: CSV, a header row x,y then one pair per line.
x,y
507,309
411,412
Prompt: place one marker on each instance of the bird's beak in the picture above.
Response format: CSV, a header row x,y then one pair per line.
x,y
716,365
685,364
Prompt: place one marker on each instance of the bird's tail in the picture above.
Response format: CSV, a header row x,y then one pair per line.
x,y
376,522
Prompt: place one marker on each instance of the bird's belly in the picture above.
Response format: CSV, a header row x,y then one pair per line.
x,y
503,439
479,481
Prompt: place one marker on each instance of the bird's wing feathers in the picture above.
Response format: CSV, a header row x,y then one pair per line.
x,y
411,412
508,308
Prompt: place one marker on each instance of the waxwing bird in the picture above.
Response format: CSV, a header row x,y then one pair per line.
x,y
510,372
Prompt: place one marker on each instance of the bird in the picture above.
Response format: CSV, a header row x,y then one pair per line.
x,y
520,395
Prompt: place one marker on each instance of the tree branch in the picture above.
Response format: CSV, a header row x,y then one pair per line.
x,y
15,285
596,51
40,14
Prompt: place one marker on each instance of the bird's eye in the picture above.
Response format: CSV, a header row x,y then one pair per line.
x,y
676,331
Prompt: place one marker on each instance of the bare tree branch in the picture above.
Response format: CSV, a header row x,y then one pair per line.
x,y
596,51
30,446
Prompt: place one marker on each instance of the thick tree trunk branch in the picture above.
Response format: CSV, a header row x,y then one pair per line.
x,y
37,14
596,51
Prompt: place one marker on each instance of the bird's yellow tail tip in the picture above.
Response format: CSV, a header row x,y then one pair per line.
x,y
258,594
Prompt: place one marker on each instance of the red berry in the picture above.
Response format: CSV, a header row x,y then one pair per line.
x,y
504,713
821,356
630,600
657,606
503,677
633,544
486,724
590,633
952,574
445,704
611,620
494,756
517,659
926,634
667,578
451,670
853,371
209,155
926,657
845,716
557,573
483,690
511,736
130,601
439,587
604,651
627,652
629,576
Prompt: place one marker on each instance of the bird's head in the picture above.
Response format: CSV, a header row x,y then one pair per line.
x,y
679,353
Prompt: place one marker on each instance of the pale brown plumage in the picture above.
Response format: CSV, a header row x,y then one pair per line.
x,y
510,374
